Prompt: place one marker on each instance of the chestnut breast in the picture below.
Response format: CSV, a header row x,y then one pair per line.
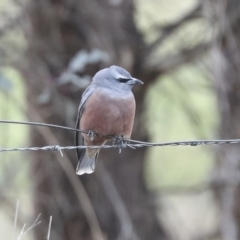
x,y
109,113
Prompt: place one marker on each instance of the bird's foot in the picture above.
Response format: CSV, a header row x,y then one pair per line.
x,y
120,142
91,135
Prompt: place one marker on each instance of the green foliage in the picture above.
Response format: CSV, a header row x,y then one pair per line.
x,y
181,106
150,15
12,104
13,107
17,185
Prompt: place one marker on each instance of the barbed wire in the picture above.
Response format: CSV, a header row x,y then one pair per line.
x,y
130,143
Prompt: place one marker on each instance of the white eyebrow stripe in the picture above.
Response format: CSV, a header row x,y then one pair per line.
x,y
124,77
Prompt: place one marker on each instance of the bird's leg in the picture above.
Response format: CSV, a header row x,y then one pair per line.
x,y
120,142
91,135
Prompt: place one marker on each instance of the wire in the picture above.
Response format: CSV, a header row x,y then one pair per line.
x,y
138,144
117,141
43,125
55,126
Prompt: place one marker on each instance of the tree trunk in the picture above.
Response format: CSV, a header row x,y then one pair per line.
x,y
123,205
225,16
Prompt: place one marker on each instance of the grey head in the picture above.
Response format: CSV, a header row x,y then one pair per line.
x,y
116,78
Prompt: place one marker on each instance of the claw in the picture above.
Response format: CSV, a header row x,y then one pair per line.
x,y
120,142
91,135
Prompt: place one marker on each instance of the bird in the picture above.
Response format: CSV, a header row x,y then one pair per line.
x,y
107,108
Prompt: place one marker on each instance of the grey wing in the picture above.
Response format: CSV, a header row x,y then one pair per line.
x,y
79,140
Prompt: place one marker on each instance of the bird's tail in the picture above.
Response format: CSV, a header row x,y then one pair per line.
x,y
88,163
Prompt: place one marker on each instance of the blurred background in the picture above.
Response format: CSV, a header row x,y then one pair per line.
x,y
187,54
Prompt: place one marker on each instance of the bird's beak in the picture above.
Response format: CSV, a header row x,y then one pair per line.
x,y
134,81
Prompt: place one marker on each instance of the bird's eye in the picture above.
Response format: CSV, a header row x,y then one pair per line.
x,y
123,80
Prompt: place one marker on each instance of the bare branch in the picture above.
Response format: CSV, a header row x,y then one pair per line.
x,y
15,218
49,228
165,31
161,65
77,185
127,231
